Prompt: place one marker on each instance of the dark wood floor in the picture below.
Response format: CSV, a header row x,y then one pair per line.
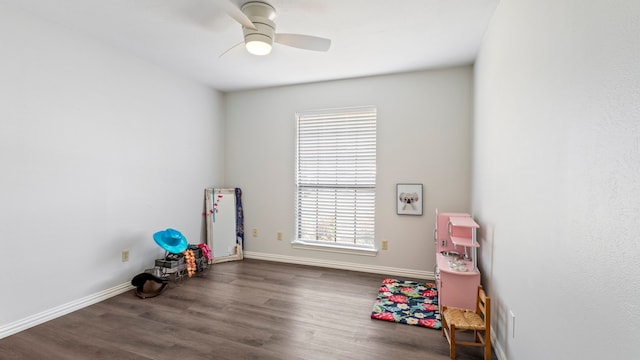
x,y
238,310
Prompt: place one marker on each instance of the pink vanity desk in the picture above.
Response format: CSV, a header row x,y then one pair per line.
x,y
458,283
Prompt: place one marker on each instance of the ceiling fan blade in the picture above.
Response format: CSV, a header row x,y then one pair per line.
x,y
301,41
232,10
231,48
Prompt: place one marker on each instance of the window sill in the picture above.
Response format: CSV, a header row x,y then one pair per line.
x,y
296,244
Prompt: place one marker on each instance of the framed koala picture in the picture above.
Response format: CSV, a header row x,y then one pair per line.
x,y
409,199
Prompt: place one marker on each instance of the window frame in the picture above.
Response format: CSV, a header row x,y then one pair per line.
x,y
355,144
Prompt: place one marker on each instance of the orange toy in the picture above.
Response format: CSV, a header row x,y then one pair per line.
x,y
190,261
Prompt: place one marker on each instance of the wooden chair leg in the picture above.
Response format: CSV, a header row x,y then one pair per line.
x,y
487,344
444,327
444,321
452,343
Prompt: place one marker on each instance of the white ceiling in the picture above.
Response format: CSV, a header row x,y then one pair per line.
x,y
369,37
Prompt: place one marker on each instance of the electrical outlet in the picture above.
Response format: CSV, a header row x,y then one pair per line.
x,y
279,235
254,233
513,324
125,255
385,245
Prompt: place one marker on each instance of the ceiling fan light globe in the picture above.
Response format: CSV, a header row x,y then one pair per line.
x,y
258,44
259,48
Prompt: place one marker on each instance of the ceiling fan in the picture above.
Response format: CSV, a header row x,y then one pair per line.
x,y
259,29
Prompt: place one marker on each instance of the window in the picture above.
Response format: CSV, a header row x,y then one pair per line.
x,y
336,177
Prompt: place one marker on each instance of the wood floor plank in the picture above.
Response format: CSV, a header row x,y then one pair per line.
x,y
248,309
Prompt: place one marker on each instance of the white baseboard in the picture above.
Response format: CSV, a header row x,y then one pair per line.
x,y
37,319
496,346
400,272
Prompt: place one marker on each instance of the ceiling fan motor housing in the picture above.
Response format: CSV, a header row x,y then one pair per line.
x,y
262,15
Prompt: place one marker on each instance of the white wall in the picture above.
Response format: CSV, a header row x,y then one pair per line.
x,y
423,137
98,150
556,177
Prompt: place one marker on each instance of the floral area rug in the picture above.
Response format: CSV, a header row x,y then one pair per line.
x,y
408,302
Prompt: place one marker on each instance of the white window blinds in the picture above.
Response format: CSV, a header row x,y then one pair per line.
x,y
336,176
